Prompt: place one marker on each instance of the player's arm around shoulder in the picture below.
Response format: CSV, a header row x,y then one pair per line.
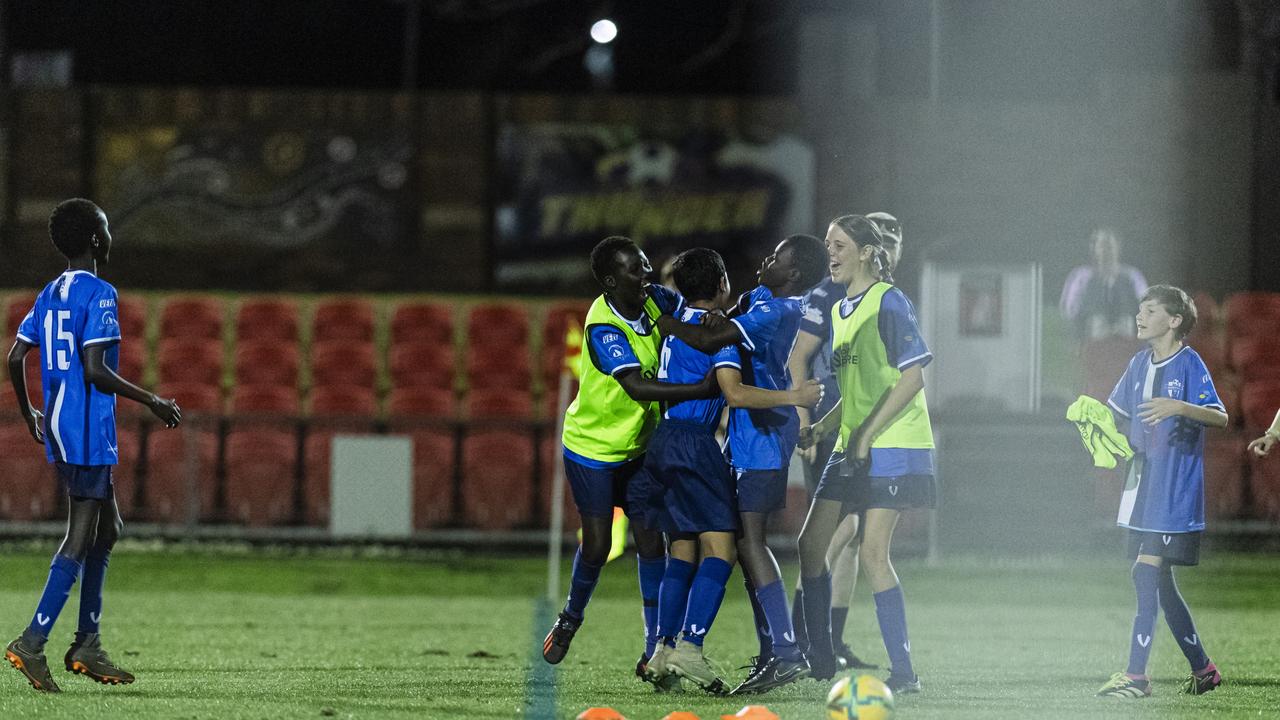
x,y
739,395
707,337
643,389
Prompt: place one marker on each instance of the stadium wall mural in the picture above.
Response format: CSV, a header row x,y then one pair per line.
x,y
563,186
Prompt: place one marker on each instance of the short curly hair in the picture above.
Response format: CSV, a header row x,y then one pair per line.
x,y
1175,301
72,225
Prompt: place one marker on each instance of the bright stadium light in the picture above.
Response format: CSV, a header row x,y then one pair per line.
x,y
604,31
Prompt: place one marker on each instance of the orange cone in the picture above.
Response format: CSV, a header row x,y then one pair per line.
x,y
600,713
753,712
682,715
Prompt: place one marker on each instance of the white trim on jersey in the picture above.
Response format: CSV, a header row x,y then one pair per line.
x,y
99,341
620,368
746,339
1117,408
55,418
909,361
28,340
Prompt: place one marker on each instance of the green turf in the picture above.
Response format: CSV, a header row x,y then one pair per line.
x,y
237,634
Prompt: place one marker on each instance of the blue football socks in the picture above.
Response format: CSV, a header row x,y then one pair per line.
x,y
1178,616
773,600
63,572
651,571
1146,580
817,614
95,576
760,620
673,598
583,583
891,611
705,597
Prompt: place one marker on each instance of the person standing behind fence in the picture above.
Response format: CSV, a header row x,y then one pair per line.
x,y
1099,299
75,323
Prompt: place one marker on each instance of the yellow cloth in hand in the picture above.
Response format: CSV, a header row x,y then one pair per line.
x,y
1098,431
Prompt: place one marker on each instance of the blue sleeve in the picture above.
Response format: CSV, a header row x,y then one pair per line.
x,y
1200,389
759,324
815,317
1123,396
727,356
900,332
610,351
29,329
101,324
669,301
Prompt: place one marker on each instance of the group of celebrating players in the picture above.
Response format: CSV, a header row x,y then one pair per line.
x,y
663,366
824,356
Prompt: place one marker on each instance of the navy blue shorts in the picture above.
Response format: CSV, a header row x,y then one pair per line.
x,y
86,481
1174,548
597,491
762,491
858,490
696,491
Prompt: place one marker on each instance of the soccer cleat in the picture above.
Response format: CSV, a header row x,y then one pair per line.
x,y
774,672
1203,681
32,664
86,657
657,672
687,661
822,666
1122,686
900,685
851,661
642,665
556,646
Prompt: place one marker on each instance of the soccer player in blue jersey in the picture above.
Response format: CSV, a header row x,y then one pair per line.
x,y
811,358
882,463
607,428
75,323
697,504
1164,401
763,326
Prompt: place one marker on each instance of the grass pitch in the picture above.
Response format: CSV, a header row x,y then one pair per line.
x,y
232,633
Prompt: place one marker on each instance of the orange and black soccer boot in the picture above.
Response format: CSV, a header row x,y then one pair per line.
x,y
556,646
86,657
31,663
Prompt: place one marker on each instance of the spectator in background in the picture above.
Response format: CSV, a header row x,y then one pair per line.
x,y
1100,299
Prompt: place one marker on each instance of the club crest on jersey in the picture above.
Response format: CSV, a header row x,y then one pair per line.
x,y
1174,388
615,351
108,318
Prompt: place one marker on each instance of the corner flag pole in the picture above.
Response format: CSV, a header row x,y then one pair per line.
x,y
555,534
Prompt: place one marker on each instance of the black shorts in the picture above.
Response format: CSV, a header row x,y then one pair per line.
x,y
1173,548
859,491
86,481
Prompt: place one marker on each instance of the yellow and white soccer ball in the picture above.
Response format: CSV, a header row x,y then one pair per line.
x,y
864,698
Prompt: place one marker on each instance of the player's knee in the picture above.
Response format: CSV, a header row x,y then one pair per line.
x,y
107,536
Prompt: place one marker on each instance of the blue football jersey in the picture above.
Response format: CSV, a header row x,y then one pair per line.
x,y
73,312
816,320
1165,489
683,365
764,439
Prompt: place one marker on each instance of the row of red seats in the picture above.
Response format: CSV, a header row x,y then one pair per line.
x,y
261,468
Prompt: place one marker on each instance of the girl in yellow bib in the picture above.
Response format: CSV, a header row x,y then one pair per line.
x,y
883,460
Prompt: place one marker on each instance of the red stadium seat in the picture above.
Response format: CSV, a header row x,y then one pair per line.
x,y
1264,485
125,474
498,325
1256,357
1208,311
434,466
264,399
1250,313
422,323
261,466
1224,481
28,490
192,317
343,401
133,361
176,460
489,369
551,457
268,319
196,360
1228,387
418,402
133,315
347,319
491,403
422,364
497,479
34,377
193,397
344,363
1259,402
554,329
266,362
19,305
